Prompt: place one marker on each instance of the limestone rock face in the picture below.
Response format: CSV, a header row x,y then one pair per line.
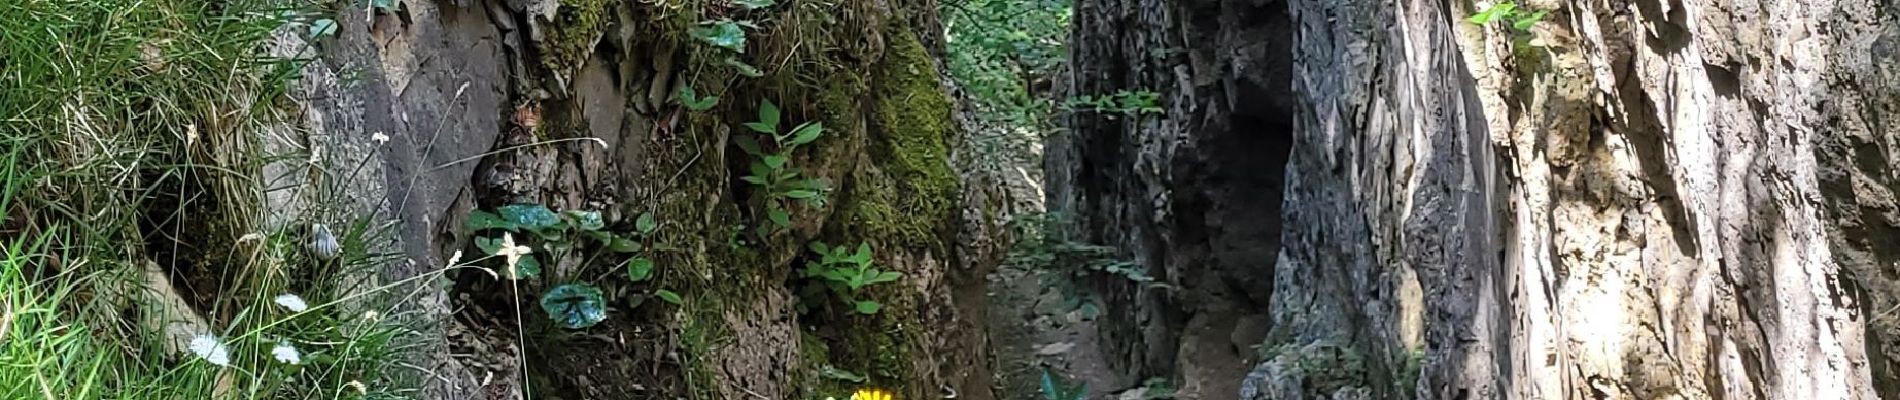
x,y
417,115
1639,199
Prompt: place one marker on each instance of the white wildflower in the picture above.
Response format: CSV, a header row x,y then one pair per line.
x,y
211,349
512,251
286,354
372,316
379,138
358,386
292,302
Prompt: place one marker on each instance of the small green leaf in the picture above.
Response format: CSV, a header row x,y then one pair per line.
x,y
775,161
574,306
639,269
754,4
801,194
818,247
779,217
624,245
1494,13
530,216
322,27
761,127
690,98
886,276
669,296
488,245
480,220
1525,23
753,179
726,34
744,69
868,307
840,374
586,220
807,132
645,223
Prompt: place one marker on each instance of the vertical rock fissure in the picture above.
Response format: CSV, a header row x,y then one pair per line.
x,y
1191,193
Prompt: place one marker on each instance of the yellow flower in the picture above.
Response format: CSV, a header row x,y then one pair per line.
x,y
871,394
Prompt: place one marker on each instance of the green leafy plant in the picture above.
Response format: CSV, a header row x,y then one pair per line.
x,y
556,236
845,273
730,35
691,99
1519,18
771,170
724,33
1056,388
1121,102
1157,388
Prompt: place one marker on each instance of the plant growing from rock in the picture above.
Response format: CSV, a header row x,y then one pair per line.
x,y
845,273
1520,18
730,35
559,236
771,171
1127,102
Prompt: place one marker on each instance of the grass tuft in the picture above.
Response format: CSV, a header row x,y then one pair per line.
x,y
129,140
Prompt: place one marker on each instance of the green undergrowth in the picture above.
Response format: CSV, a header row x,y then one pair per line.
x,y
129,135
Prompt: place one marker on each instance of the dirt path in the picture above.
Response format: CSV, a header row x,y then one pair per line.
x,y
1032,328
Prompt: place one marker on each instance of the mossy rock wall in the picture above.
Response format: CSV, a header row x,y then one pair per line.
x,y
447,82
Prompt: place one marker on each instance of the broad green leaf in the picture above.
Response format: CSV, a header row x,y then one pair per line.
x,y
624,245
868,307
721,33
586,220
768,114
479,220
574,306
530,216
645,223
807,132
779,217
775,161
754,4
669,296
639,269
863,255
753,179
818,247
761,127
322,27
